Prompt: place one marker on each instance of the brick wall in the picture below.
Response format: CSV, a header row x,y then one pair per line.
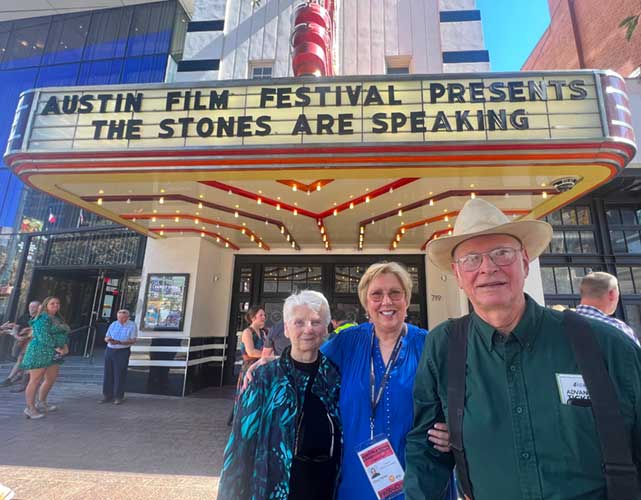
x,y
598,33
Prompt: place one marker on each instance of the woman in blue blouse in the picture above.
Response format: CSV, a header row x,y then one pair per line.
x,y
384,292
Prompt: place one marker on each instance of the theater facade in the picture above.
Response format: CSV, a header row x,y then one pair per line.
x,y
248,190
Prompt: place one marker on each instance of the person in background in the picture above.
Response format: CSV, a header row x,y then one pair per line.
x,y
44,356
599,299
21,332
252,341
121,335
379,358
276,341
521,418
286,440
339,322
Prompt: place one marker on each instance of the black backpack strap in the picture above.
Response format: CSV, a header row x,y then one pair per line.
x,y
621,475
456,361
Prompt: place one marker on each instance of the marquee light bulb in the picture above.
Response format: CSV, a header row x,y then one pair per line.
x,y
226,244
252,238
177,219
318,186
161,200
295,211
153,219
446,218
294,188
400,213
394,244
259,201
402,230
162,232
472,195
217,240
351,205
544,195
236,214
282,229
200,204
196,221
362,229
202,235
260,244
431,203
277,206
367,199
99,202
335,212
128,201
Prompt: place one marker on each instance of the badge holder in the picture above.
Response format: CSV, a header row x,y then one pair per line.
x,y
381,466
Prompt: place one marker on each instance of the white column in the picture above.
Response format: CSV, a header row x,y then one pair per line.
x,y
534,283
444,298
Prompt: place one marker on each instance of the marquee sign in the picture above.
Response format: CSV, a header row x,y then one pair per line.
x,y
417,109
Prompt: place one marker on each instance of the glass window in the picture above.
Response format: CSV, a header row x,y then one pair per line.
x,y
245,280
57,76
26,43
398,71
628,216
636,276
547,275
632,240
576,275
66,39
284,279
588,243
108,35
261,72
633,317
568,216
150,31
572,242
100,72
618,241
341,280
583,216
270,279
626,285
144,69
554,218
613,216
562,276
557,244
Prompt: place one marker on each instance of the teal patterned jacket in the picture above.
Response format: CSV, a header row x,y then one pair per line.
x,y
258,456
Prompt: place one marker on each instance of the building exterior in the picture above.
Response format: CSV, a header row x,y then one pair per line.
x,y
249,184
65,248
598,232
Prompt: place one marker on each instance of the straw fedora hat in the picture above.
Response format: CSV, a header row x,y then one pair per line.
x,y
479,217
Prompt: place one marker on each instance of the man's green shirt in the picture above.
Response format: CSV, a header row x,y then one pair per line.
x,y
521,441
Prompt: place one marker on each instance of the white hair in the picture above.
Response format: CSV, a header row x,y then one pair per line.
x,y
316,301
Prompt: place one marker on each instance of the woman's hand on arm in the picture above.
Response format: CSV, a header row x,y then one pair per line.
x,y
439,436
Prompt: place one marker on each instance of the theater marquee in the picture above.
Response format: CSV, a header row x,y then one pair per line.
x,y
349,161
416,109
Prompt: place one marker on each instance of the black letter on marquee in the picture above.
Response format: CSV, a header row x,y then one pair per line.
x,y
324,123
380,124
515,90
398,121
86,106
52,107
353,94
476,92
185,121
266,95
98,124
345,123
498,94
219,101
392,100
205,127
519,120
133,129
262,122
303,98
244,126
462,121
302,125
577,87
167,129
436,90
373,96
441,122
455,92
417,121
495,120
171,99
133,102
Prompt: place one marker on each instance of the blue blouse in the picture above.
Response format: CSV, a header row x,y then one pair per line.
x,y
350,351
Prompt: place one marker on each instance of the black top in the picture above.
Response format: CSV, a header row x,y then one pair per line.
x,y
315,463
23,321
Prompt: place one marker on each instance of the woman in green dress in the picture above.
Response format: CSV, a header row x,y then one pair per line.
x,y
44,356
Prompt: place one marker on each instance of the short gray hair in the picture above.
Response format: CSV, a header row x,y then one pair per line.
x,y
316,301
124,311
597,284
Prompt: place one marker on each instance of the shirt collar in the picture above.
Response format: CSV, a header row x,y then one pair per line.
x,y
525,331
591,310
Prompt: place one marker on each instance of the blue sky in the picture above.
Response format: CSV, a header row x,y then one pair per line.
x,y
512,28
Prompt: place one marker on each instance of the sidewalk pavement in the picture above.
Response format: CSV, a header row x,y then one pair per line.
x,y
150,447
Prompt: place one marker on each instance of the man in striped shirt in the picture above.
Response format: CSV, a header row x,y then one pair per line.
x,y
599,299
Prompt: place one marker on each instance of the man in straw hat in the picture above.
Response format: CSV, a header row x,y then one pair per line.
x,y
524,388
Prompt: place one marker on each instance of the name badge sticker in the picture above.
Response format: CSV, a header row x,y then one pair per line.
x,y
572,389
383,470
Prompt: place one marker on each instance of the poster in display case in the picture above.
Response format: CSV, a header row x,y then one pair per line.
x,y
165,301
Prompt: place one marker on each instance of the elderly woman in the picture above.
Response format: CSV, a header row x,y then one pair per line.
x,y
377,361
286,439
44,356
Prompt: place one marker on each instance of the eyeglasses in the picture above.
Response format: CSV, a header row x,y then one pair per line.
x,y
502,256
379,295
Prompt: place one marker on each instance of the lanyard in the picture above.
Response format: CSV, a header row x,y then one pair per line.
x,y
375,397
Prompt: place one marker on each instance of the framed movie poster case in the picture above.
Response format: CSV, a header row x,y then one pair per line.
x,y
165,302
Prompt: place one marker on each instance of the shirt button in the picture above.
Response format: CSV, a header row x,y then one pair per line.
x,y
525,455
513,368
519,410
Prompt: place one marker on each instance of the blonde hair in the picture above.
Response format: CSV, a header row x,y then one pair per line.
x,y
45,304
375,270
